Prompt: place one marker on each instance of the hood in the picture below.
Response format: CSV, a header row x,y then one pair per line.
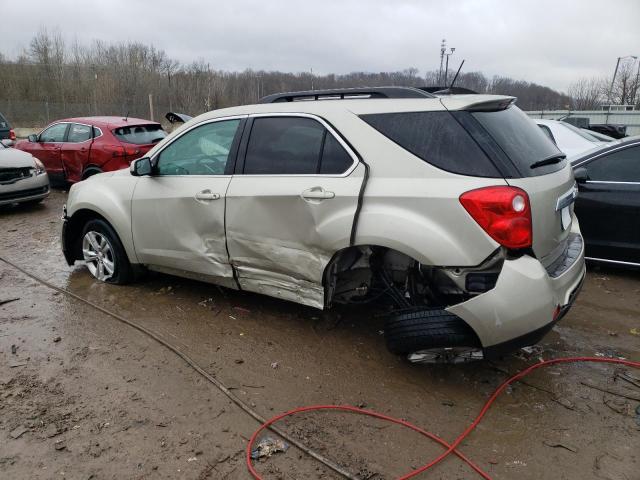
x,y
12,158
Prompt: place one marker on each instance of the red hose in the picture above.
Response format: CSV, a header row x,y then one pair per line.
x,y
450,448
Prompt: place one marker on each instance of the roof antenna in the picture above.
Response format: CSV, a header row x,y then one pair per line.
x,y
456,77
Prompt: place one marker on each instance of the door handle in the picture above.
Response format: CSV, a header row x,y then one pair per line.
x,y
207,195
317,193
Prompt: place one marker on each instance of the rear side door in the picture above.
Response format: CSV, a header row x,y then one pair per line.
x,y
608,206
179,211
76,150
290,205
48,148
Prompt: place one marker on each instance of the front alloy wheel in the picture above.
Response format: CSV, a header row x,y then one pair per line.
x,y
98,255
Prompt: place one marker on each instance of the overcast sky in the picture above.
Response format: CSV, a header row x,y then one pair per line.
x,y
547,42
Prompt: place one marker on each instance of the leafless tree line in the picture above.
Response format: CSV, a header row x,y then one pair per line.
x,y
54,79
592,93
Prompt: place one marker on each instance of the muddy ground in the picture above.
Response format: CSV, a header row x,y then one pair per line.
x,y
83,396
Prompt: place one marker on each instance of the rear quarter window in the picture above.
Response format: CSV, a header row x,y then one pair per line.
x,y
521,140
437,138
140,134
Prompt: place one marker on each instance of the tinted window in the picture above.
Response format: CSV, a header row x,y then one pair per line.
x,y
436,138
140,134
204,150
520,139
78,133
54,133
284,146
3,122
335,159
620,166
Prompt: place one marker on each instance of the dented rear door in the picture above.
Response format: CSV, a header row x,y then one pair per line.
x,y
290,206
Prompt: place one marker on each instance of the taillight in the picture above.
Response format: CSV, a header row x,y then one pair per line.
x,y
503,212
12,134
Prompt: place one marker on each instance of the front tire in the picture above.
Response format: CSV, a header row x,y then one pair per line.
x,y
104,254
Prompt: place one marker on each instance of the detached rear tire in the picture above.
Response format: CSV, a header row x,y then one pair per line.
x,y
104,254
414,331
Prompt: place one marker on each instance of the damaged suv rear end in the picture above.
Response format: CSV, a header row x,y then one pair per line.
x,y
471,209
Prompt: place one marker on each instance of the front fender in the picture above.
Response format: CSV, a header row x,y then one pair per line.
x,y
109,196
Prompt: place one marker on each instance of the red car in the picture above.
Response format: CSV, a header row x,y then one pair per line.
x,y
76,148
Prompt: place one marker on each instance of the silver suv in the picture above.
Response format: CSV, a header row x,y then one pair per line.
x,y
455,210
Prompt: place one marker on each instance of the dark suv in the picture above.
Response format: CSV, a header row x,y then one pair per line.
x,y
6,132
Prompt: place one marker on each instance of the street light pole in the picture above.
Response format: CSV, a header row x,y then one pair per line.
x,y
615,72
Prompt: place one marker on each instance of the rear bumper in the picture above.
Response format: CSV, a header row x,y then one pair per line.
x,y
524,305
26,190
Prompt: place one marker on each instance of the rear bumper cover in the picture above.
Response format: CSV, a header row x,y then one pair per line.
x,y
524,304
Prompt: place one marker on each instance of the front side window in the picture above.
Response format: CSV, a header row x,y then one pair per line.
x,y
53,134
293,146
78,133
620,166
205,150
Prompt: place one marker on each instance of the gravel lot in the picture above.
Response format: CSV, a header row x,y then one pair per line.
x,y
84,396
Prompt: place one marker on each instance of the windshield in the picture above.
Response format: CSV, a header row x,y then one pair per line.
x,y
140,134
521,139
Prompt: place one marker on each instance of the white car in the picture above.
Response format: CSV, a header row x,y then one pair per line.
x,y
457,210
571,140
23,178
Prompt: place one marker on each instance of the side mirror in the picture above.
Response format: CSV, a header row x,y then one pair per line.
x,y
33,138
141,167
581,175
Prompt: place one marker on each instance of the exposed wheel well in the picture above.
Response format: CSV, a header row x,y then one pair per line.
x,y
362,273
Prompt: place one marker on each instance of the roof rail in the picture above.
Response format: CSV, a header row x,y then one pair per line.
x,y
342,93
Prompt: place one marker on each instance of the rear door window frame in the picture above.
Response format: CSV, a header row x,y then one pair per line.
x,y
239,167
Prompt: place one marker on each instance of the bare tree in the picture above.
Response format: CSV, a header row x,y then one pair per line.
x,y
587,93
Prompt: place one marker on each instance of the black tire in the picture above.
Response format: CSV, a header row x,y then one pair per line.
x,y
413,331
89,172
123,272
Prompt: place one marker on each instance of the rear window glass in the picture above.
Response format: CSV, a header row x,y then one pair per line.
x,y
437,138
521,140
140,134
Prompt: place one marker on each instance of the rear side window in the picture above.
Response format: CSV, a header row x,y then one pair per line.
x,y
78,133
521,140
140,134
437,138
293,146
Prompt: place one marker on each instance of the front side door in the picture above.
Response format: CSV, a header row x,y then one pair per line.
x,y
290,206
48,147
179,212
75,151
608,206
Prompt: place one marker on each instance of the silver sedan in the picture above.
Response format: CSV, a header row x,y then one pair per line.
x,y
23,178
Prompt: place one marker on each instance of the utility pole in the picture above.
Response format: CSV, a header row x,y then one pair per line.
x,y
446,70
312,79
443,48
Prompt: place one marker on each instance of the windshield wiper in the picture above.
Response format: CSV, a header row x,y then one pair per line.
x,y
556,158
